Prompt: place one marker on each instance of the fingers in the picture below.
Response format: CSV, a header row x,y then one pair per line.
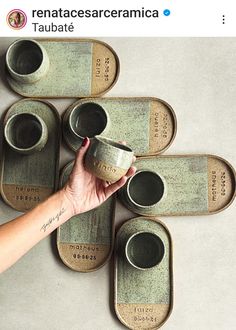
x,y
131,171
106,184
81,153
115,186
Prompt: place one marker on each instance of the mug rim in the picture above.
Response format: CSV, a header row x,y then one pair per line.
x,y
128,191
138,233
20,75
113,144
76,107
6,128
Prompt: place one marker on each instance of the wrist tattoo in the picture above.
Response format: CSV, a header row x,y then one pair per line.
x,y
55,218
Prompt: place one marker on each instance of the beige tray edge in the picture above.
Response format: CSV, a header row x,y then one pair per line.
x,y
233,172
80,270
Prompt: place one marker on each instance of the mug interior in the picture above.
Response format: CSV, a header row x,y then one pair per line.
x,y
113,143
24,131
88,119
146,188
145,250
25,57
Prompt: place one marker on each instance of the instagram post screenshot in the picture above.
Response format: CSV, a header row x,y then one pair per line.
x,y
117,165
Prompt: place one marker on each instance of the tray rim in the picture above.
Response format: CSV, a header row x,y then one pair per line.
x,y
233,172
143,98
4,118
171,305
113,230
8,77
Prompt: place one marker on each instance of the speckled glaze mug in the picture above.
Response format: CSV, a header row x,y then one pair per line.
x,y
144,250
26,133
88,119
143,191
107,159
27,61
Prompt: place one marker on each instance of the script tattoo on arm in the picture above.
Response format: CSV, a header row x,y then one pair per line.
x,y
55,218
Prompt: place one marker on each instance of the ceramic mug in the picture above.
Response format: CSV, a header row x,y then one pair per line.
x,y
88,120
107,159
26,133
27,61
143,191
144,250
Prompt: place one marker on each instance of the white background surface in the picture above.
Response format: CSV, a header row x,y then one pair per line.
x,y
198,78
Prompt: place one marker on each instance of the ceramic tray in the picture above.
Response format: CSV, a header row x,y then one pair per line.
x,y
194,185
147,124
143,298
27,180
78,68
85,242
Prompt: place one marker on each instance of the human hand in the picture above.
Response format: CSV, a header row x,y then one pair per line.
x,y
84,190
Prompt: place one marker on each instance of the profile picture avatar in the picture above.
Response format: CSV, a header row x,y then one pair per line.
x,y
16,19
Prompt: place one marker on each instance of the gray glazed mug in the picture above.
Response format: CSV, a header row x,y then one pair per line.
x,y
107,159
27,61
143,191
26,133
88,120
144,250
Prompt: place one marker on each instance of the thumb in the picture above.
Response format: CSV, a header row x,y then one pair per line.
x,y
81,152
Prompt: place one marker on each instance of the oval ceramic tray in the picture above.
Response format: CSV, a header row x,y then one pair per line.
x,y
143,298
27,180
147,124
85,242
78,68
194,184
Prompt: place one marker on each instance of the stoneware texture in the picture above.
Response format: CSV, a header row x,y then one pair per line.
x,y
143,298
195,185
85,242
26,133
77,68
107,159
121,119
27,61
28,179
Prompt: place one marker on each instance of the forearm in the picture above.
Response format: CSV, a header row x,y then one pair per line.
x,y
82,193
22,233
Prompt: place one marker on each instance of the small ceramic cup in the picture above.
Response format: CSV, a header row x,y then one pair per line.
x,y
144,250
26,133
143,191
108,160
27,61
88,119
